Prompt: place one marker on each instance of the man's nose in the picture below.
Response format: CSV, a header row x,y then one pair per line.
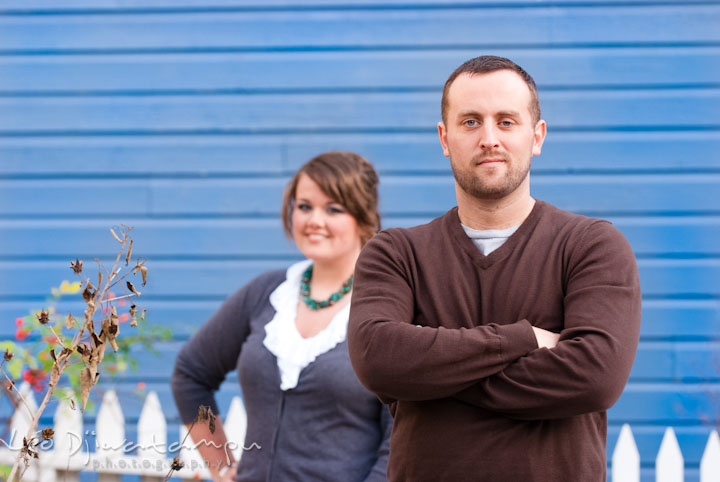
x,y
488,137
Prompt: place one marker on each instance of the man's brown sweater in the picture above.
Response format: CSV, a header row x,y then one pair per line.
x,y
442,333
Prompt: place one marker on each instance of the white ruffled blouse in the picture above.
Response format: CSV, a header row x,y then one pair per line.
x,y
282,339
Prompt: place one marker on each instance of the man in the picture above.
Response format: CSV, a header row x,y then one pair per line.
x,y
500,332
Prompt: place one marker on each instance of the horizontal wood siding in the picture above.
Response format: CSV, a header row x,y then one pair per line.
x,y
185,121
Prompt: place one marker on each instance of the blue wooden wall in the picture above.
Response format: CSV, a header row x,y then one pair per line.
x,y
184,119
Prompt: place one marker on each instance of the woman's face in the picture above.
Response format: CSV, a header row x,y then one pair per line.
x,y
322,229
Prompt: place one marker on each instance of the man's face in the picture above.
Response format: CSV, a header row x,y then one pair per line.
x,y
490,136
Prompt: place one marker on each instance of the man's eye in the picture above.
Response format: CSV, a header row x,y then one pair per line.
x,y
506,123
471,123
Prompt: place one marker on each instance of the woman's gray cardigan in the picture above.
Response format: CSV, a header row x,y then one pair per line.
x,y
327,428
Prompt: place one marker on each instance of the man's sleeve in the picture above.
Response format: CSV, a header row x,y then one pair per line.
x,y
587,370
398,360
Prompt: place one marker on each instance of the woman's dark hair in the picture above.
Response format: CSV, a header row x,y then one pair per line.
x,y
348,179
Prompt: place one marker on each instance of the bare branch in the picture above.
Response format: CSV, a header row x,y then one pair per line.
x,y
116,236
92,356
119,298
12,384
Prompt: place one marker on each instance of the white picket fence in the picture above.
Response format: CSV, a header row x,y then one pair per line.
x,y
669,463
149,456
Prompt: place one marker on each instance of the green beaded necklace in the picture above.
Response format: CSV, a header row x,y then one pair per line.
x,y
318,305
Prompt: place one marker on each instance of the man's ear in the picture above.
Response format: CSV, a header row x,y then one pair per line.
x,y
442,132
539,137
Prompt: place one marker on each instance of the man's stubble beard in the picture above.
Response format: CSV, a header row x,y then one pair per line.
x,y
470,182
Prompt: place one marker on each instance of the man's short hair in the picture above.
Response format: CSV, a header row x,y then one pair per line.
x,y
486,64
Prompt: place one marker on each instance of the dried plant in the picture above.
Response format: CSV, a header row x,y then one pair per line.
x,y
88,344
205,415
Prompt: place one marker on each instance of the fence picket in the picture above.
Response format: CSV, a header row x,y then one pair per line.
x,y
110,435
68,429
152,430
625,458
669,464
19,425
152,434
710,462
20,421
235,426
69,454
68,442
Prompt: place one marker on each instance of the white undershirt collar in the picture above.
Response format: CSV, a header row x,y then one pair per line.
x,y
488,240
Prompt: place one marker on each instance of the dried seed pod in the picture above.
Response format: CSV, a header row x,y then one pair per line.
x,y
8,356
132,288
43,317
144,272
110,328
133,312
205,414
202,415
76,266
29,447
177,464
85,384
211,423
89,291
129,253
114,322
69,321
47,433
96,341
89,312
138,266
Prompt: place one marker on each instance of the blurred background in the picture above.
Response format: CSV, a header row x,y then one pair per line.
x,y
185,119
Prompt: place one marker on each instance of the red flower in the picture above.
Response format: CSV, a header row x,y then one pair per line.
x,y
34,376
18,322
50,339
21,334
123,318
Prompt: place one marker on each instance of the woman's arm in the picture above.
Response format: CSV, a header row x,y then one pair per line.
x,y
205,360
378,473
214,450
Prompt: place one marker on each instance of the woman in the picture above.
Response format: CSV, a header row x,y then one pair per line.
x,y
285,333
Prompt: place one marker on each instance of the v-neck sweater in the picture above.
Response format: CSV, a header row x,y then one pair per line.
x,y
444,335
